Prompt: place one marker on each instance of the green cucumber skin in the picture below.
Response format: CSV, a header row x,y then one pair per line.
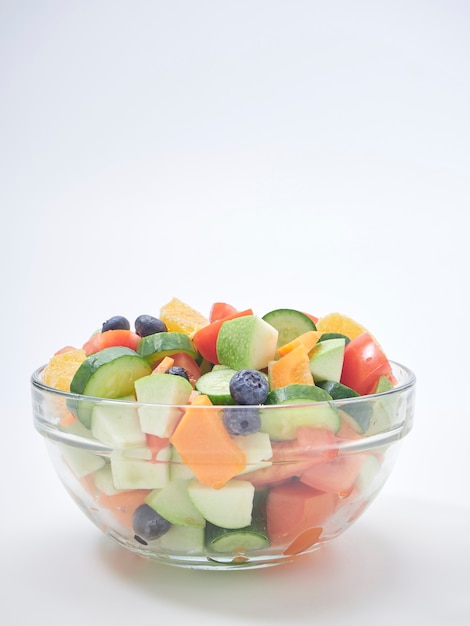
x,y
337,391
155,347
216,385
95,378
305,393
252,537
290,323
327,336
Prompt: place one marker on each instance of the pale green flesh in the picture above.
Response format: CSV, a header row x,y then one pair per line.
x,y
289,323
282,423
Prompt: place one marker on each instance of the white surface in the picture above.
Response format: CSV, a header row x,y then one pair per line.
x,y
305,154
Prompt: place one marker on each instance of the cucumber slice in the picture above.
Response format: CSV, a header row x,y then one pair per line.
x,y
289,323
358,415
109,373
337,390
281,424
155,347
326,336
241,540
216,385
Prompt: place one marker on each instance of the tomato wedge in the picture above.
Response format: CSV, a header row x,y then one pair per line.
x,y
364,362
205,340
313,446
111,338
220,310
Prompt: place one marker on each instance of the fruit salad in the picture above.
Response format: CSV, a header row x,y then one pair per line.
x,y
223,434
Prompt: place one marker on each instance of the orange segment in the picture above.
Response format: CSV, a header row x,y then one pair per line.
x,y
339,323
181,318
61,368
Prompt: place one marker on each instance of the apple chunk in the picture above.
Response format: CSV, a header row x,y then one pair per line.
x,y
246,342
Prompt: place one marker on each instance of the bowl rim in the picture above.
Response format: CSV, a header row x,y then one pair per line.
x,y
364,442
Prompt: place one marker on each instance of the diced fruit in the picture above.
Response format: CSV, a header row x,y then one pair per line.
x,y
216,385
117,425
159,345
110,338
136,469
157,393
246,342
81,462
181,318
337,476
339,323
293,508
364,363
326,360
282,423
241,540
110,373
174,504
289,323
230,506
61,368
257,449
205,445
291,369
205,340
308,339
220,310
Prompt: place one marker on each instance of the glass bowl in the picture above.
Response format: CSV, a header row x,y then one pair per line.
x,y
307,474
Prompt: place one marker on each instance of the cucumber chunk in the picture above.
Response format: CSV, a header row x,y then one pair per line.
x,y
155,347
289,323
241,540
282,423
216,385
109,373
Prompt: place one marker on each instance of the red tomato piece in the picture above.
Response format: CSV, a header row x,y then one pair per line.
x,y
337,476
314,318
156,444
220,310
181,359
293,508
110,338
205,340
364,362
291,458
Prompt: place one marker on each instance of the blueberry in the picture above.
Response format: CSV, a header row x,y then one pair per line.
x,y
148,524
149,325
118,322
240,420
176,370
249,387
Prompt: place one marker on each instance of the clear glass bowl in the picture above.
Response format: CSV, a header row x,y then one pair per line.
x,y
310,472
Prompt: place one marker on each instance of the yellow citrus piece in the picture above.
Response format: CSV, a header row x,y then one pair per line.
x,y
179,317
61,368
339,323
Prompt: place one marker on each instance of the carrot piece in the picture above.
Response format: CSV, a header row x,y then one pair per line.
x,y
68,419
205,446
164,365
305,540
308,339
291,369
123,505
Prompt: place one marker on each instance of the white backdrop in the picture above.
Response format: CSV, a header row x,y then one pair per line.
x,y
306,154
